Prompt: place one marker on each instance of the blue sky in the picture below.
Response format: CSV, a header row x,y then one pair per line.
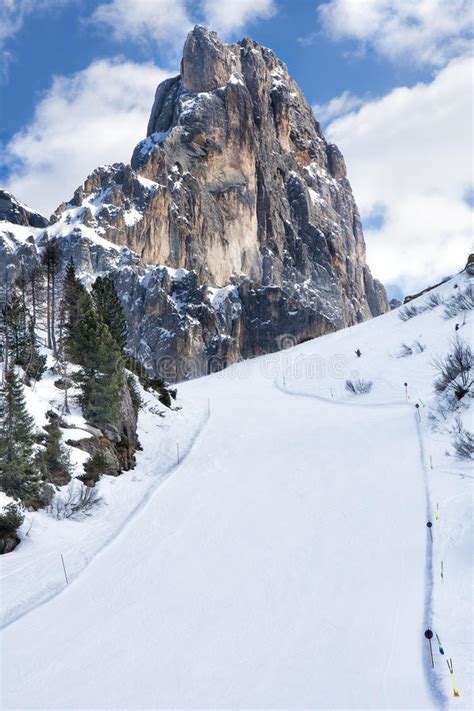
x,y
79,76
60,40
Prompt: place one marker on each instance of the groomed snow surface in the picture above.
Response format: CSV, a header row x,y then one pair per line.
x,y
285,561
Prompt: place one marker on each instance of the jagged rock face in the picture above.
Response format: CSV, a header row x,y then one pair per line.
x,y
250,184
13,211
235,222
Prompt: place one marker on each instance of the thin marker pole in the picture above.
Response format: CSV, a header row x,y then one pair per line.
x,y
429,525
429,636
440,646
177,452
431,462
442,572
418,411
451,671
64,568
406,391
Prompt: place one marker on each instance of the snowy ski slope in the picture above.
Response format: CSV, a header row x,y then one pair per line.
x,y
286,562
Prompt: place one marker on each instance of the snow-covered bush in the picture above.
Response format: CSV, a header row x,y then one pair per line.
x,y
359,386
76,502
456,375
459,303
11,518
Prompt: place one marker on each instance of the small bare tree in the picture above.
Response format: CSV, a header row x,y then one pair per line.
x,y
460,303
455,370
463,441
408,312
78,501
433,301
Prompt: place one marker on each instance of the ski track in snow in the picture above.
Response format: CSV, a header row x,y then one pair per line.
x,y
439,696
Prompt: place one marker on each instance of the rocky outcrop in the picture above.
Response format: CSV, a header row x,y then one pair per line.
x,y
235,226
116,443
13,211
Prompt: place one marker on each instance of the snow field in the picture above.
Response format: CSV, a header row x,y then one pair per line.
x,y
285,564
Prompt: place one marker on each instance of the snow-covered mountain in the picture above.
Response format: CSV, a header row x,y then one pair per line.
x,y
271,549
234,224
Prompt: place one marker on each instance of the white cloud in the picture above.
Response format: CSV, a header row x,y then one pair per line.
x,y
93,117
409,156
336,107
165,21
168,21
229,17
429,32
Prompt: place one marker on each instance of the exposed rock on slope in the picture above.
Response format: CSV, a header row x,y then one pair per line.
x,y
13,211
246,209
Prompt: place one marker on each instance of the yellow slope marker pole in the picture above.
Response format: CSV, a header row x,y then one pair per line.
x,y
451,672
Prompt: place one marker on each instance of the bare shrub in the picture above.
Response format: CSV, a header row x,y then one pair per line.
x,y
463,442
406,350
408,312
359,386
455,370
459,303
78,501
433,301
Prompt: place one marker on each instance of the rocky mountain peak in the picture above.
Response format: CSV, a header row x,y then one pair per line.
x,y
233,224
207,62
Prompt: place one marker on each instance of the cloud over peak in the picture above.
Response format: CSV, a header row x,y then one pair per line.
x,y
92,117
425,32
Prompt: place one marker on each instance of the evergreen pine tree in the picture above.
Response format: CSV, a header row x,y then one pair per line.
x,y
75,299
110,310
15,322
33,362
22,338
101,374
19,476
54,461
